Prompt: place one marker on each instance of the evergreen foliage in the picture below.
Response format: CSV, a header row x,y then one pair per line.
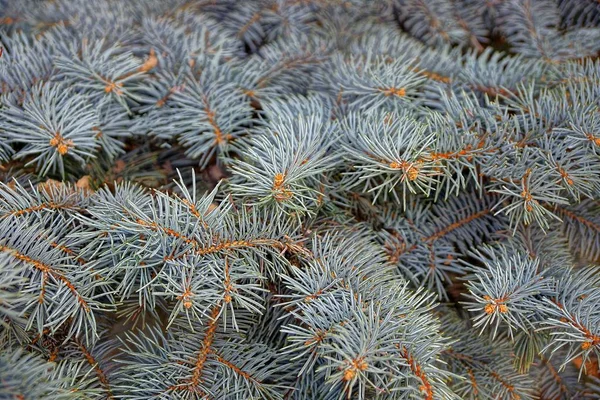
x,y
300,199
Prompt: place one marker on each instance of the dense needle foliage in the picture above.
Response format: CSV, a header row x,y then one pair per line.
x,y
300,199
